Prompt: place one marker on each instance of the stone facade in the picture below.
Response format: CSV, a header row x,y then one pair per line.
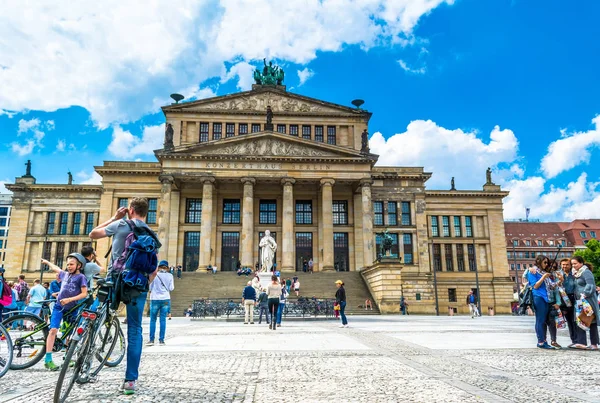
x,y
225,179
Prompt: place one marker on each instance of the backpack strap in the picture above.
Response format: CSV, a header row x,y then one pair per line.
x,y
131,226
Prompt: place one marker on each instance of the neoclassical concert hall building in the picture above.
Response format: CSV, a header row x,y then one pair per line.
x,y
234,166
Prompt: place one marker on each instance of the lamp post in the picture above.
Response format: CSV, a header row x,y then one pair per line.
x,y
476,276
437,307
43,266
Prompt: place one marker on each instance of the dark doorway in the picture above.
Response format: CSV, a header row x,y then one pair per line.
x,y
304,249
191,250
341,255
230,250
274,236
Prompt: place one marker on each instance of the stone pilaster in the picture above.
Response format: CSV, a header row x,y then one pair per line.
x,y
208,188
327,219
367,222
106,211
164,216
358,233
174,227
287,228
247,222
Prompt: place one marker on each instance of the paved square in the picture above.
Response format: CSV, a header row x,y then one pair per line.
x,y
377,359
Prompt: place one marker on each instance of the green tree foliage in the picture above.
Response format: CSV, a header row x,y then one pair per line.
x,y
591,254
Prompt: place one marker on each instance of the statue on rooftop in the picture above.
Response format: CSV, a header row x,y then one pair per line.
x,y
488,177
70,182
364,140
452,184
168,136
28,168
270,74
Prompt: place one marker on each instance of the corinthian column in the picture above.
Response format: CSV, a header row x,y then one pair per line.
x,y
164,214
206,227
287,247
327,219
367,222
248,222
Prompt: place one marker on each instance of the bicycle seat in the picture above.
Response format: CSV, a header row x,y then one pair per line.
x,y
102,282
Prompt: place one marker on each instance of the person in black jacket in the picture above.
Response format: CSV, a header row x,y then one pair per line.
x,y
340,298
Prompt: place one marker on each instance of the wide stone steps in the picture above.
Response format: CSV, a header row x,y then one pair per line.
x,y
229,285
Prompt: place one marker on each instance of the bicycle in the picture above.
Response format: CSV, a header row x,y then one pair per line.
x,y
6,350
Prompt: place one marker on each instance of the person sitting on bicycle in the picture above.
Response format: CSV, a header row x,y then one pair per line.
x,y
73,288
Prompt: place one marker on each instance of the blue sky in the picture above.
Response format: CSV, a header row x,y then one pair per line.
x,y
454,86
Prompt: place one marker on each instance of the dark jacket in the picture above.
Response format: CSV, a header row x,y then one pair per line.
x,y
263,299
469,299
249,293
340,295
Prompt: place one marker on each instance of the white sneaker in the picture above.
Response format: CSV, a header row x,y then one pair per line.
x,y
342,326
346,325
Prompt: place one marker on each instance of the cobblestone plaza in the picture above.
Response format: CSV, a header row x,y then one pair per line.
x,y
377,359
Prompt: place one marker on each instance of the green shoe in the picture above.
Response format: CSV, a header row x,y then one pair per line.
x,y
51,366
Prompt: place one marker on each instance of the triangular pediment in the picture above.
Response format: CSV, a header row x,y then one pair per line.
x,y
257,100
265,144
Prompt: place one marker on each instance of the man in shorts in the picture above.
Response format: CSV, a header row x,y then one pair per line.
x,y
73,288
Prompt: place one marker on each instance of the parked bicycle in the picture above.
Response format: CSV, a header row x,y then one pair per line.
x,y
6,350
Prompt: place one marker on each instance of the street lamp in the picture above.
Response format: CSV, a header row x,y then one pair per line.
x,y
43,266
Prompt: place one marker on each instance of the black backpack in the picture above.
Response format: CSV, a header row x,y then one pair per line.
x,y
23,291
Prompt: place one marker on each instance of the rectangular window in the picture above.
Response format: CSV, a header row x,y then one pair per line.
x,y
231,211
583,234
1,243
193,211
203,132
448,256
527,255
406,213
304,212
435,230
243,128
528,243
73,247
217,131
152,210
331,135
377,213
319,133
267,212
64,218
229,130
89,222
255,127
60,254
4,210
306,132
47,250
563,242
460,257
550,242
451,294
2,232
540,243
191,250
408,248
123,202
281,129
437,257
3,222
445,225
76,226
471,253
340,212
392,213
515,242
468,227
457,229
294,130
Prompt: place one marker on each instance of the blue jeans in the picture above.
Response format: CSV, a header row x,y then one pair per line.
x,y
280,312
156,307
342,314
541,315
135,310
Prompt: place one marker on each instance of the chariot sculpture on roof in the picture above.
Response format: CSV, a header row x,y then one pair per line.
x,y
270,75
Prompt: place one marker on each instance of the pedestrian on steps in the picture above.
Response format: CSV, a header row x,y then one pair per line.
x,y
340,298
273,292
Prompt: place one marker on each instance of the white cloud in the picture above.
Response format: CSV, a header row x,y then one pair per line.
x,y
86,178
23,149
125,145
10,114
115,59
446,152
571,150
304,75
3,189
60,145
27,125
243,72
409,69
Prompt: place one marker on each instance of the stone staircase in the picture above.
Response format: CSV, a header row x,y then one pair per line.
x,y
229,285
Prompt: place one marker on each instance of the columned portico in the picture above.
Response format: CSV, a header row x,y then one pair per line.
x,y
287,247
327,220
207,215
247,240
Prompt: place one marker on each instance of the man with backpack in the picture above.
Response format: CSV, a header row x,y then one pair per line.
x,y
123,250
22,292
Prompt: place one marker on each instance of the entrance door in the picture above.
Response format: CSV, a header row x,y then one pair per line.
x,y
274,236
341,255
191,251
230,250
304,249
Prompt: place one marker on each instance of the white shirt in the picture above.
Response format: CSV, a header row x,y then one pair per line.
x,y
161,287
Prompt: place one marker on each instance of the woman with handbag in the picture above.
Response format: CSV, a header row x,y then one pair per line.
x,y
537,277
585,290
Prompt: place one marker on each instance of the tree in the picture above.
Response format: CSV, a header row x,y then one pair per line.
x,y
591,254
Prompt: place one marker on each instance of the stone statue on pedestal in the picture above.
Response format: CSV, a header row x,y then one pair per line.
x,y
268,247
488,177
28,168
364,139
70,178
452,187
168,136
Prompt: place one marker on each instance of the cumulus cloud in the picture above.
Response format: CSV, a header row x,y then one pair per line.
x,y
242,71
304,75
86,178
115,59
3,189
127,146
408,69
447,152
32,129
60,145
571,150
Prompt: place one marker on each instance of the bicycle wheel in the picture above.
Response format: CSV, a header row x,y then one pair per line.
x,y
118,351
77,352
28,333
108,337
90,365
6,351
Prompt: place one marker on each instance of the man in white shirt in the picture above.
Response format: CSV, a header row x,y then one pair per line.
x,y
160,301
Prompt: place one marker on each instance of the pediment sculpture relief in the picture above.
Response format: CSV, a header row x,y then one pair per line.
x,y
259,102
272,147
